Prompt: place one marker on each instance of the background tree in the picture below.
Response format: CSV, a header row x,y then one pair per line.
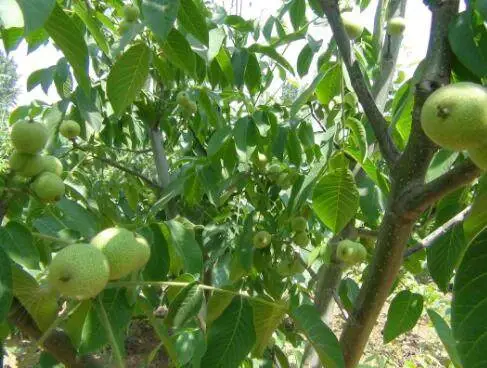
x,y
262,209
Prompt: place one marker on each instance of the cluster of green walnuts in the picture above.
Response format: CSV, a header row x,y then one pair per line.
x,y
29,139
455,118
81,271
354,26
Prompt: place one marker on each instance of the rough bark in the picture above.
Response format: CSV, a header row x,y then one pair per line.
x,y
407,179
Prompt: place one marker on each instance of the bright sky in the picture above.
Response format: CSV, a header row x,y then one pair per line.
x,y
413,50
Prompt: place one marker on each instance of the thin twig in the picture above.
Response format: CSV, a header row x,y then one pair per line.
x,y
340,306
439,232
118,166
377,121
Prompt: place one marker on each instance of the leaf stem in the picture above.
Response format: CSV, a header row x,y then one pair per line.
x,y
183,284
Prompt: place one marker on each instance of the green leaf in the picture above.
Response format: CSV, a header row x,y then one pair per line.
x,y
5,285
476,222
117,345
185,306
319,335
246,135
193,21
225,63
359,135
93,25
336,199
445,334
35,13
330,85
216,38
305,58
67,36
39,301
217,304
444,255
267,29
305,95
240,58
127,77
293,148
178,51
273,54
238,23
231,336
160,15
267,317
462,41
244,244
158,265
442,162
119,313
16,240
403,314
185,247
469,306
315,5
348,292
78,218
190,345
11,38
253,74
297,13
41,77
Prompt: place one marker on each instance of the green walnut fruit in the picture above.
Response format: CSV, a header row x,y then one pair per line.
x,y
351,252
53,165
301,239
28,137
260,161
455,116
25,164
191,108
182,98
79,271
262,239
479,156
131,13
396,26
126,252
69,129
353,24
48,187
299,224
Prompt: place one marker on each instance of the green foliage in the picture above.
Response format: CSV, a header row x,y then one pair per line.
x,y
169,125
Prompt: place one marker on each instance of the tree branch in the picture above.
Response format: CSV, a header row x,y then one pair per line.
x,y
118,166
433,191
58,343
389,54
377,121
408,175
439,232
